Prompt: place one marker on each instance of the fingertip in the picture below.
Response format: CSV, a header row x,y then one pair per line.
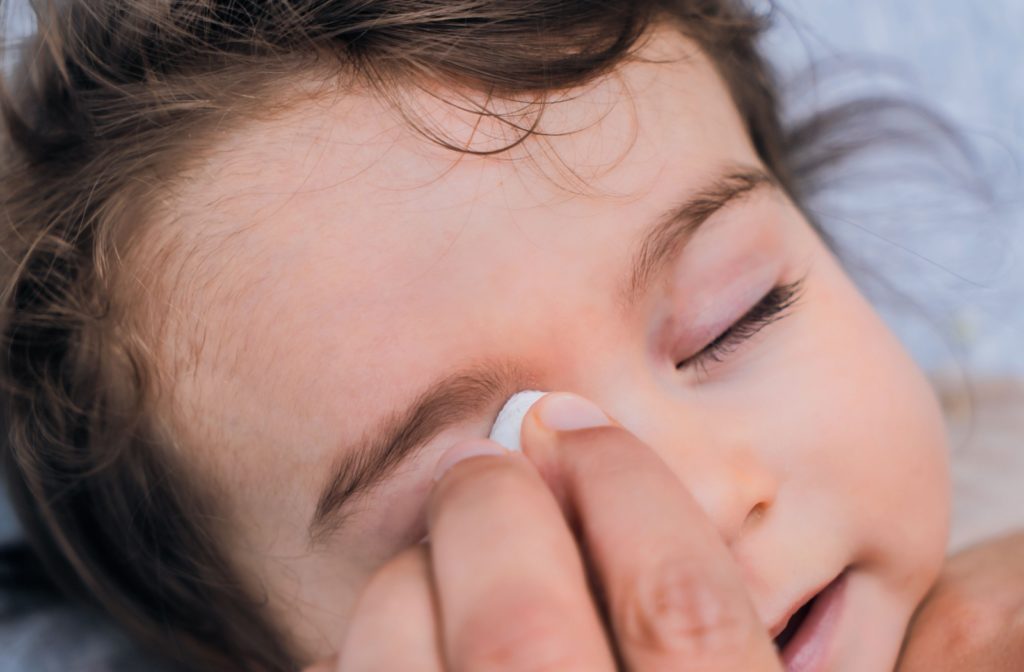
x,y
536,439
568,412
465,450
555,415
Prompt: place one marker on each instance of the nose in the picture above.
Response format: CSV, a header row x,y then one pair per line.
x,y
735,489
729,474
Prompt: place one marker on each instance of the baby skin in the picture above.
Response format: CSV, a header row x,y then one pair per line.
x,y
739,450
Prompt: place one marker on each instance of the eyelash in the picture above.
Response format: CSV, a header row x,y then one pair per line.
x,y
769,309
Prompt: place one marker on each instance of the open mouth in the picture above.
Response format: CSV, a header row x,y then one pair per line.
x,y
793,626
803,644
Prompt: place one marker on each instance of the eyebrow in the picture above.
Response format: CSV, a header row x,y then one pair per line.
x,y
469,392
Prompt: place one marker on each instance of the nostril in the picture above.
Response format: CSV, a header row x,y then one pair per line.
x,y
759,511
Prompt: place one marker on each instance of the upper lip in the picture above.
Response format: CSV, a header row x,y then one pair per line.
x,y
783,621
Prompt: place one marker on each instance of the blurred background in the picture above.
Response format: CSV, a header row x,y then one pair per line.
x,y
931,227
950,243
930,218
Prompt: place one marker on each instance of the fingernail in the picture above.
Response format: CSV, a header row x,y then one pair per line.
x,y
565,412
464,451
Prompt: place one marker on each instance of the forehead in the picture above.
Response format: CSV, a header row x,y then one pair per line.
x,y
334,248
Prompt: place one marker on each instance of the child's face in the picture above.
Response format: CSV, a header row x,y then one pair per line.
x,y
332,265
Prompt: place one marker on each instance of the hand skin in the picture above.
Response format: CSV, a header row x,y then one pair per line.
x,y
502,584
973,619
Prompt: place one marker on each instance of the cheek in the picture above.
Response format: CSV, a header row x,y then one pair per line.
x,y
881,443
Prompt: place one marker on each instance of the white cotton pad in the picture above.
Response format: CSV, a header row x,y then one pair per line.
x,y
510,420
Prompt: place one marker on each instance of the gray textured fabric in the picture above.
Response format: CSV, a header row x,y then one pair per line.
x,y
8,525
40,634
956,256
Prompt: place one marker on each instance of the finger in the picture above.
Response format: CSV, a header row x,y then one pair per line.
x,y
394,626
674,597
510,582
973,617
329,665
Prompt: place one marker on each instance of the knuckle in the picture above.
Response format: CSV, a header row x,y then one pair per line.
x,y
675,609
526,638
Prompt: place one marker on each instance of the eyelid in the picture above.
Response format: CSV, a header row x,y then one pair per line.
x,y
707,314
773,306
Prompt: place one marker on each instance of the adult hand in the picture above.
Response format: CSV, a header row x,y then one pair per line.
x,y
973,619
504,585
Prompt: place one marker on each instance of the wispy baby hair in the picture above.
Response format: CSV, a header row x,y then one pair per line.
x,y
106,106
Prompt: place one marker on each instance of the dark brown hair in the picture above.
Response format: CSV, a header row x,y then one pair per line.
x,y
108,101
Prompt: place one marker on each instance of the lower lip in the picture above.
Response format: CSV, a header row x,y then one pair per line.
x,y
808,652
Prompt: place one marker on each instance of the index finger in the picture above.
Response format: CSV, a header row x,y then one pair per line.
x,y
674,596
510,583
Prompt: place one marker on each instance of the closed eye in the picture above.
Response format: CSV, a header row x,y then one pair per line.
x,y
773,306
